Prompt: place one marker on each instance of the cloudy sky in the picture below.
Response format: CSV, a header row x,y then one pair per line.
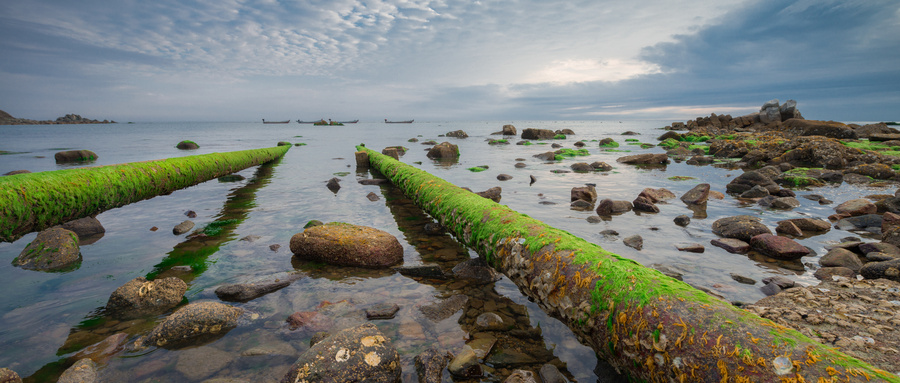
x,y
242,60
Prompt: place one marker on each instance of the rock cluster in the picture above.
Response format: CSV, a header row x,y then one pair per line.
x,y
7,119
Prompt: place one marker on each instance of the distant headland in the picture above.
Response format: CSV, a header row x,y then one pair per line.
x,y
7,119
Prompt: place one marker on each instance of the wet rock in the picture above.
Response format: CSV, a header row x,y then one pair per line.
x,y
334,184
423,271
183,227
83,371
382,311
519,165
201,362
566,131
12,173
372,197
373,181
601,166
743,279
785,203
504,177
140,297
885,269
657,195
732,245
788,228
476,269
682,220
877,256
464,364
362,157
347,245
644,204
756,191
841,258
809,224
430,364
690,247
854,207
581,205
748,180
537,134
521,376
827,273
445,308
645,159
867,222
546,156
9,376
101,352
84,228
780,281
243,292
312,223
608,207
829,129
489,322
310,321
508,130
68,156
444,150
890,221
634,241
550,374
581,167
357,354
493,194
533,180
53,249
697,195
585,193
778,247
192,323
741,227
882,247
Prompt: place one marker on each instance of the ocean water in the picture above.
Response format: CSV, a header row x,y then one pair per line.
x,y
47,318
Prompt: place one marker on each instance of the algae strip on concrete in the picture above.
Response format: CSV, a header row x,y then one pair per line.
x,y
650,327
35,201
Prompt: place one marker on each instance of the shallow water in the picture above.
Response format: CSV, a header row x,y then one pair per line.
x,y
48,317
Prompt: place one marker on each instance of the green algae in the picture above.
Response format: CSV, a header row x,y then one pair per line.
x,y
559,137
569,153
35,201
669,143
680,178
477,169
611,144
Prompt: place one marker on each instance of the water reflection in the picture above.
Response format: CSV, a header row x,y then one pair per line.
x,y
100,326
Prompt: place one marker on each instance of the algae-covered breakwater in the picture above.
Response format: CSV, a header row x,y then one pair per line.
x,y
35,201
647,325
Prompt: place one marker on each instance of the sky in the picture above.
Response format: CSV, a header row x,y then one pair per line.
x,y
440,60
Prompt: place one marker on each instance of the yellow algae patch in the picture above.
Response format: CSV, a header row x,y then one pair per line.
x,y
373,359
370,341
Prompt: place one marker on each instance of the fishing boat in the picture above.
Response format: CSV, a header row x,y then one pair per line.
x,y
275,122
308,122
398,122
348,122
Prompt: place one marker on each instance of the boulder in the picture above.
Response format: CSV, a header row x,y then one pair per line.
x,y
457,134
357,354
12,173
829,129
885,269
190,145
537,134
827,273
788,228
477,270
645,159
566,131
608,207
9,376
601,166
75,156
84,227
392,151
789,110
809,224
644,204
697,195
509,130
183,227
83,371
347,245
546,156
748,180
493,194
243,292
881,247
741,227
140,297
581,167
854,207
444,150
586,193
193,323
841,258
53,249
778,247
635,241
732,245
656,195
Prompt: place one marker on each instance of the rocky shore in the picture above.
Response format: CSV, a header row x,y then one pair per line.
x,y
7,119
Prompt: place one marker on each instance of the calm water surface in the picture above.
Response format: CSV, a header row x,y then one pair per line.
x,y
46,318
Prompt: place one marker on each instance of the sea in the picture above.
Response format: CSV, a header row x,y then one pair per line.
x,y
49,319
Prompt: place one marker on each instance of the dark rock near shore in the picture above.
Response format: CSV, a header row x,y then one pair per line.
x,y
682,220
885,269
778,247
357,354
430,363
191,145
732,245
140,297
347,245
334,184
423,271
53,249
183,227
601,166
14,172
193,323
476,269
7,119
443,151
645,159
608,207
827,273
508,130
537,134
854,207
741,227
585,193
644,204
493,194
748,180
243,292
829,129
382,311
635,241
841,258
697,195
457,134
68,156
85,228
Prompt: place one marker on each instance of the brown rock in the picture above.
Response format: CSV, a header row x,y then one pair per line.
x,y
732,245
645,159
347,245
841,258
75,156
742,227
697,195
139,297
809,224
586,193
645,204
608,207
854,207
826,273
656,195
444,150
195,321
778,247
789,228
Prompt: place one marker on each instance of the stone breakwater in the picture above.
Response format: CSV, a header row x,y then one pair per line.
x,y
7,119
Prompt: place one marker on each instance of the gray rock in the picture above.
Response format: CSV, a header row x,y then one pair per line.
x,y
861,222
741,227
334,184
476,269
608,207
183,227
140,297
68,156
682,220
83,371
445,308
785,203
732,245
243,292
635,241
697,195
84,228
193,323
357,354
886,269
382,311
430,364
841,258
504,177
756,191
53,249
826,273
690,247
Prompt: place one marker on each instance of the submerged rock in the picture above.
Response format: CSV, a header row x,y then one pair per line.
x,y
344,244
83,371
193,323
140,297
430,364
75,156
444,150
358,354
53,249
243,292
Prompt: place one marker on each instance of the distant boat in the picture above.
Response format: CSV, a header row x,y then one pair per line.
x,y
275,122
308,122
348,122
398,122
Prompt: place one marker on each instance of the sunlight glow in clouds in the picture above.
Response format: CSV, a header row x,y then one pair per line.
x,y
561,72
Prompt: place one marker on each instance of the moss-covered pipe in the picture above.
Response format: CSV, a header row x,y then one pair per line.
x,y
35,201
650,327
